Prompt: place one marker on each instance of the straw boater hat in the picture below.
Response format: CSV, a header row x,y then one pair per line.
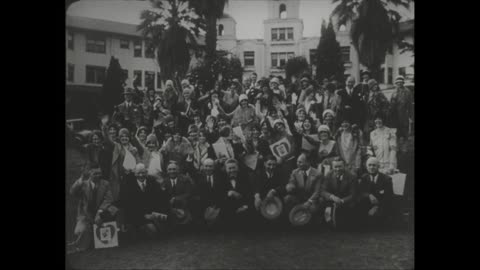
x,y
271,208
299,215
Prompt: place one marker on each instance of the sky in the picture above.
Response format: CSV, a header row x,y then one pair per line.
x,y
249,14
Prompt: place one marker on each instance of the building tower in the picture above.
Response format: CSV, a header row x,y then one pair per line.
x,y
283,31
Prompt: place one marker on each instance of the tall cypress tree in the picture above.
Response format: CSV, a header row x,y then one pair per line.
x,y
329,54
113,86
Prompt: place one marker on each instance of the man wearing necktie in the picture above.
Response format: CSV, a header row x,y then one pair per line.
x,y
303,185
351,103
238,202
337,191
128,114
268,182
145,205
95,205
209,191
375,195
178,186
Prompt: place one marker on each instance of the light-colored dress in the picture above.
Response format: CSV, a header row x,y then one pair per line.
x,y
384,144
349,147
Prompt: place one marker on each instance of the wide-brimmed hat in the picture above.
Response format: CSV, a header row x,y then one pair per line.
x,y
399,79
299,215
181,215
271,207
211,214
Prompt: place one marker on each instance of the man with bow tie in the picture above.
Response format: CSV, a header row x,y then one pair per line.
x,y
95,205
128,114
144,203
337,191
375,195
238,197
303,185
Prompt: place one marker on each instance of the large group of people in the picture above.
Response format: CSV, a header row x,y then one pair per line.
x,y
219,158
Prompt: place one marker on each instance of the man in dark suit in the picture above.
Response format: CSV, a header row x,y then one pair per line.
x,y
238,196
337,190
128,114
178,187
210,190
351,103
375,196
268,182
95,205
145,204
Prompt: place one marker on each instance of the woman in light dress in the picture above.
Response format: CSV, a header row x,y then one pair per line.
x,y
383,145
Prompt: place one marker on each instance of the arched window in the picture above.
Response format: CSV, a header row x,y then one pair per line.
x,y
283,11
220,30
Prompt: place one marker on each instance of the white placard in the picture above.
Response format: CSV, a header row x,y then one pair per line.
x,y
398,181
220,149
106,235
239,132
281,148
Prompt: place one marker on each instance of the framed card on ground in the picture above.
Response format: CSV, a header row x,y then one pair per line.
x,y
106,235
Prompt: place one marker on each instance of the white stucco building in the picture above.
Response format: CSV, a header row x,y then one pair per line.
x,y
91,42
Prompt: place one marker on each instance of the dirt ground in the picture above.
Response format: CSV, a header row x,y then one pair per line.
x,y
250,250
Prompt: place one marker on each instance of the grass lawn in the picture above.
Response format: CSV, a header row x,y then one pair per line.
x,y
250,250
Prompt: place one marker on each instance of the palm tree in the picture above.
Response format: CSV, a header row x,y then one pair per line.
x,y
172,28
211,11
374,25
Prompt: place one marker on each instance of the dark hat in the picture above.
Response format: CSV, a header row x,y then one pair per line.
x,y
181,215
271,207
128,91
299,215
365,72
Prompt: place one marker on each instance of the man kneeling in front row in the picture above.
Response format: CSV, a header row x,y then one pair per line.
x,y
145,203
95,205
337,190
375,195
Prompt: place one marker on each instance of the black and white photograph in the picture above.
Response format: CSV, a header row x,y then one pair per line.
x,y
239,134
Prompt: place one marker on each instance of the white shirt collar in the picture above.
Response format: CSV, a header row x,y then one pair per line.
x,y
140,183
307,172
375,178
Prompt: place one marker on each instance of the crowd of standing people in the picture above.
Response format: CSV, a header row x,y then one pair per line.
x,y
212,158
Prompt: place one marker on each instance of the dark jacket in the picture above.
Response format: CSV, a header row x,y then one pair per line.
x,y
137,203
208,195
344,189
356,112
263,185
382,190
